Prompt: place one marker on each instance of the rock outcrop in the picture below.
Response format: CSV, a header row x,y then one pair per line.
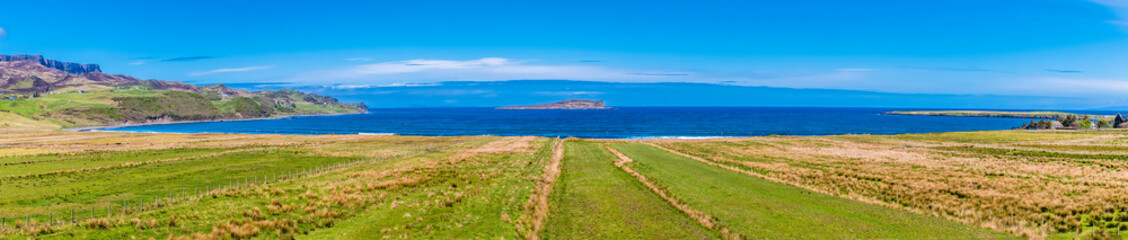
x,y
68,67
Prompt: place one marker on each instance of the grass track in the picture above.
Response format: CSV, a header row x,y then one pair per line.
x,y
593,199
762,209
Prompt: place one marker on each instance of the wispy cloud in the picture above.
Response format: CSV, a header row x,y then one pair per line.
x,y
953,69
856,69
666,74
400,84
1072,86
1120,7
228,70
1063,71
3,34
590,61
484,69
569,93
362,59
187,59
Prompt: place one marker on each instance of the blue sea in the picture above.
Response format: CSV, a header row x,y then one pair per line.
x,y
620,123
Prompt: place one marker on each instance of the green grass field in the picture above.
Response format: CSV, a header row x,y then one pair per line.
x,y
967,185
751,206
595,200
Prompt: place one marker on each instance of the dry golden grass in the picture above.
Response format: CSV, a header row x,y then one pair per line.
x,y
1023,194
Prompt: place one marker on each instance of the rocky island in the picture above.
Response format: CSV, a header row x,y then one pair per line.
x,y
566,104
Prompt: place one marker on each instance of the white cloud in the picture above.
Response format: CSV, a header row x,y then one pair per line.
x,y
399,84
351,86
137,62
856,70
1077,86
227,70
484,69
418,65
363,59
569,93
3,34
1120,7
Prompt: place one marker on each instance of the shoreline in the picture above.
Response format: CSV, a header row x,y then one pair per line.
x,y
93,128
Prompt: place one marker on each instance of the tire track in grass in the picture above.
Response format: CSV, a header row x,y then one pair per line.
x,y
538,201
594,199
862,200
754,174
701,217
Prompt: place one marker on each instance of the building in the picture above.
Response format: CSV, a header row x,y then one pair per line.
x,y
1120,119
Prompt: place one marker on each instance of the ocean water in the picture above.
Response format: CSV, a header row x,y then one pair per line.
x,y
624,122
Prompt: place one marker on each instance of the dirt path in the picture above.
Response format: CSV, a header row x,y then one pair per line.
x,y
538,201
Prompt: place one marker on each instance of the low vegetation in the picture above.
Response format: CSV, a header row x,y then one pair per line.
x,y
995,184
751,207
1002,180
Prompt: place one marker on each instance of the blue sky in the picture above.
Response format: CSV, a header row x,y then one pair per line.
x,y
1064,49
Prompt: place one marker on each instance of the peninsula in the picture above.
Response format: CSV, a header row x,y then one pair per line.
x,y
997,114
566,104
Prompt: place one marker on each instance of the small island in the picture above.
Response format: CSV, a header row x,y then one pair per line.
x,y
566,104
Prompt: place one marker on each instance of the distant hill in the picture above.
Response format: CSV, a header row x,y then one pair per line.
x,y
35,91
566,104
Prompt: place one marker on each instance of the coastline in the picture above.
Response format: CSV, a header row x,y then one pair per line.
x,y
94,128
993,114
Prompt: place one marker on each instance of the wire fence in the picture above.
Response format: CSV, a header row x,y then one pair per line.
x,y
140,205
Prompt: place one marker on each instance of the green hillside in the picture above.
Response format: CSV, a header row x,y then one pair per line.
x,y
145,105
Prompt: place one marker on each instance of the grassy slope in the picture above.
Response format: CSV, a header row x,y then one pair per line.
x,y
595,200
762,209
36,112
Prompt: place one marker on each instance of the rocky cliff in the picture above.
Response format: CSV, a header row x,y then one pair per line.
x,y
68,67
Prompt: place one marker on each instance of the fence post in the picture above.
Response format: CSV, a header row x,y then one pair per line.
x,y
50,218
108,213
28,221
125,207
142,203
72,215
91,212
